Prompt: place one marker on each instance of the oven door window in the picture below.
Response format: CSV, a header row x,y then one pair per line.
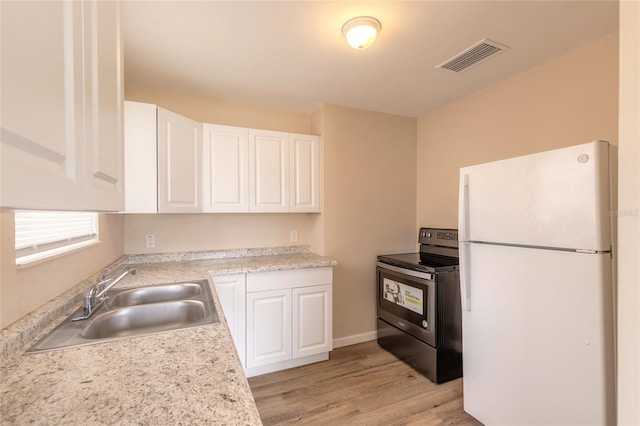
x,y
408,298
403,295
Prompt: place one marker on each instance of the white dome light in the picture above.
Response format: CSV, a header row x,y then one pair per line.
x,y
361,32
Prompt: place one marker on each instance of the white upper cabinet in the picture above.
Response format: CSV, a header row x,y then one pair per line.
x,y
268,171
163,152
61,106
140,158
225,168
179,163
42,99
104,108
305,173
248,170
214,168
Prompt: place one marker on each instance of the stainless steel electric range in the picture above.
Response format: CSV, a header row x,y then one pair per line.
x,y
419,310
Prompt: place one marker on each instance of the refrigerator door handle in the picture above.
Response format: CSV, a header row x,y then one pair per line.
x,y
465,276
463,215
463,229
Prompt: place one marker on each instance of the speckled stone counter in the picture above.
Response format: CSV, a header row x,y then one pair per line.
x,y
190,376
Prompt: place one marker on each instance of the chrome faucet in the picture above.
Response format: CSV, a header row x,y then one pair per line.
x,y
95,296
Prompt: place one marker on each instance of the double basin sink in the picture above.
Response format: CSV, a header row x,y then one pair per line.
x,y
138,311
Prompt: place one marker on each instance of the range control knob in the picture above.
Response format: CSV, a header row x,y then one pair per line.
x,y
424,323
428,235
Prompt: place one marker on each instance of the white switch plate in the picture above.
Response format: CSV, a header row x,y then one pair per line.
x,y
294,235
150,241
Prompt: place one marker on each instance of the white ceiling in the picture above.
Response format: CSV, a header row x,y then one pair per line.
x,y
292,56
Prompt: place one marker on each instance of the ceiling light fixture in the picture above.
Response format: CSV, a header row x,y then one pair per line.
x,y
361,32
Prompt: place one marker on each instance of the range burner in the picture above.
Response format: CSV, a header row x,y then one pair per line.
x,y
438,251
421,261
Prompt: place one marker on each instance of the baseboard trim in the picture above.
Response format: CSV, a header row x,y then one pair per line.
x,y
283,365
354,339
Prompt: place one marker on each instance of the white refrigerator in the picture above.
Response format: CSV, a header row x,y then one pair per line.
x,y
537,289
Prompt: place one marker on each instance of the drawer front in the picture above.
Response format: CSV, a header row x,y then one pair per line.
x,y
293,278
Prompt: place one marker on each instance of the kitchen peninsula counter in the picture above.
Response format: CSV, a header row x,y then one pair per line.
x,y
188,376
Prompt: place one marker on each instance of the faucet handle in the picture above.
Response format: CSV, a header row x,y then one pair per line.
x,y
105,273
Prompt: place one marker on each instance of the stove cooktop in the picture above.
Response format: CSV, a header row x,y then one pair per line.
x,y
421,261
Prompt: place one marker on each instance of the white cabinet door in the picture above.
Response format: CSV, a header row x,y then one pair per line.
x,y
179,169
231,290
104,103
62,106
268,327
225,168
42,106
140,158
305,173
312,322
268,171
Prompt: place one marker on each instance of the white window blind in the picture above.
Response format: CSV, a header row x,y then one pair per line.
x,y
41,234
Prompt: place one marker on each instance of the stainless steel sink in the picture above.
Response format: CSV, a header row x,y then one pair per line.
x,y
139,311
155,294
144,319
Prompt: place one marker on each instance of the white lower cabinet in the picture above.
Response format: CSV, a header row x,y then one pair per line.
x,y
311,317
288,317
268,327
232,290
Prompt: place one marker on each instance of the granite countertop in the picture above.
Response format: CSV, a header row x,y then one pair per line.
x,y
188,376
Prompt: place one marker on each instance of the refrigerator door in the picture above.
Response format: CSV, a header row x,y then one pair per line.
x,y
538,338
557,198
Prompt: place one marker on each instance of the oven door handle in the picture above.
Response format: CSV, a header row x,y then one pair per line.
x,y
465,275
417,274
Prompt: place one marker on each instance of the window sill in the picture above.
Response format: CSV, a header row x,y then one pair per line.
x,y
46,256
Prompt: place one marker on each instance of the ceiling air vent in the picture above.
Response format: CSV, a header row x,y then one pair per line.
x,y
479,52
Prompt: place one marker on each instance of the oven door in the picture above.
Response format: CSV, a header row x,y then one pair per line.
x,y
407,300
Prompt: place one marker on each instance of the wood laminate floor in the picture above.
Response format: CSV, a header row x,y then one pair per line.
x,y
359,385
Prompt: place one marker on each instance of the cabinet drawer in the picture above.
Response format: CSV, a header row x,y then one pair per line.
x,y
275,280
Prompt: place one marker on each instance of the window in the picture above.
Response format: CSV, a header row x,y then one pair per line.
x,y
42,234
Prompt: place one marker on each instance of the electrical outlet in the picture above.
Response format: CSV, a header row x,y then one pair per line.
x,y
294,235
150,241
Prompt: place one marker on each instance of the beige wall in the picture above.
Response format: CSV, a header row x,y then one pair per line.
x,y
568,101
196,232
180,232
370,204
220,112
629,217
26,288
